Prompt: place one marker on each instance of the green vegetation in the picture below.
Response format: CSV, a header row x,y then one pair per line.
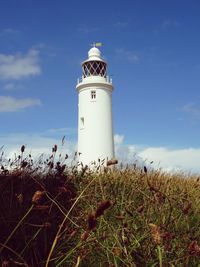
x,y
52,215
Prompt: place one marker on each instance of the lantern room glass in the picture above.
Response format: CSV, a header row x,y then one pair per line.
x,y
94,68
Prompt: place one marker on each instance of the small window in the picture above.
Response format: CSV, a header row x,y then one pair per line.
x,y
93,94
82,122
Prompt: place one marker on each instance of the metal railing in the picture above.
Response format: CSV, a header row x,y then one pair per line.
x,y
107,78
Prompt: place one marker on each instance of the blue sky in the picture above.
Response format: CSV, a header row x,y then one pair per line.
x,y
152,48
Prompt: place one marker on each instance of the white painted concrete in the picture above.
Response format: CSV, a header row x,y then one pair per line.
x,y
95,127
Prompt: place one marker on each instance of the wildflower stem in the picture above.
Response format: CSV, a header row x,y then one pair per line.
x,y
159,250
67,215
16,254
16,227
69,253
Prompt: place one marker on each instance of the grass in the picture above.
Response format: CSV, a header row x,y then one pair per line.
x,y
52,215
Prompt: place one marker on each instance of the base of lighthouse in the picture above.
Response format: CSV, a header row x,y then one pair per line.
x,y
95,127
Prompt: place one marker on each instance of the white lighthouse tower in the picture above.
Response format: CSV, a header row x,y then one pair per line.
x,y
95,127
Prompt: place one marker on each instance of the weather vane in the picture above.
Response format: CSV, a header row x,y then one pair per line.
x,y
96,44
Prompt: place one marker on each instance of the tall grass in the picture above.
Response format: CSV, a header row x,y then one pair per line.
x,y
54,216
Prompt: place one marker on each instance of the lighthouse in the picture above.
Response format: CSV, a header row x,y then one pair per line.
x,y
95,125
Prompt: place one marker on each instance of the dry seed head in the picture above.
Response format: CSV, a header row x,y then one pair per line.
x,y
5,263
102,207
186,208
22,148
92,222
20,198
24,164
37,196
145,169
54,149
160,197
116,251
194,249
112,162
140,209
73,233
155,233
62,189
41,207
63,140
50,164
129,212
84,236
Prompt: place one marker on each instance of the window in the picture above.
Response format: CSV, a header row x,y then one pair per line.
x,y
82,122
93,94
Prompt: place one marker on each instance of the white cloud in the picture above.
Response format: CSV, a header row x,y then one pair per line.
x,y
8,31
36,145
60,132
87,30
19,66
191,108
170,23
9,86
187,159
121,24
130,56
118,139
11,104
167,24
125,153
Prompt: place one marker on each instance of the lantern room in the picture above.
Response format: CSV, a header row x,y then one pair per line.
x,y
94,65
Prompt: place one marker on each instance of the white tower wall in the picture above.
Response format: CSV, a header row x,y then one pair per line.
x,y
95,127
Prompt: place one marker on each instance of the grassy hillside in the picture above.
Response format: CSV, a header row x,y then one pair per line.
x,y
54,216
